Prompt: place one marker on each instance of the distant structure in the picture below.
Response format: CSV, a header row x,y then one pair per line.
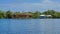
x,y
45,16
21,15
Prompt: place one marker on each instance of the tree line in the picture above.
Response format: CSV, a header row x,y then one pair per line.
x,y
36,14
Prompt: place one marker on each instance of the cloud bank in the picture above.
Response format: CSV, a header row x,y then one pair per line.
x,y
42,6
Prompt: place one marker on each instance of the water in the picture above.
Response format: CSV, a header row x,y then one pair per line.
x,y
29,26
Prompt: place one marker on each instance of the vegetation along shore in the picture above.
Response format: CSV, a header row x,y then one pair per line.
x,y
37,14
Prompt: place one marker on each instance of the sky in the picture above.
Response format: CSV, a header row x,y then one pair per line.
x,y
30,5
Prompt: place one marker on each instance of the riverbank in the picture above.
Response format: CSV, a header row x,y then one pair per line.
x,y
24,15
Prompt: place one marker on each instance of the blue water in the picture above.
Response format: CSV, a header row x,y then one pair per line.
x,y
29,26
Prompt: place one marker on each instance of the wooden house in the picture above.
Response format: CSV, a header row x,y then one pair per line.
x,y
21,15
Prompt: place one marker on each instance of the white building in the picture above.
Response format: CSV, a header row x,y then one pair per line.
x,y
45,16
42,15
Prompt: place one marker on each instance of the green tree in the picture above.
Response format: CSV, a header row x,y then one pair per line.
x,y
57,14
2,14
17,12
36,14
8,14
49,12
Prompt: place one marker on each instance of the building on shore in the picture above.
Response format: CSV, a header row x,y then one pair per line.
x,y
45,16
21,15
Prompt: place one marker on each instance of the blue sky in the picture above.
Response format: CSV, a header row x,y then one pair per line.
x,y
30,5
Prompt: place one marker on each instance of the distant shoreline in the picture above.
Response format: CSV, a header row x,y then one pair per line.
x,y
49,14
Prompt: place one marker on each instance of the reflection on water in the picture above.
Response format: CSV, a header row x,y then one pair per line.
x,y
29,26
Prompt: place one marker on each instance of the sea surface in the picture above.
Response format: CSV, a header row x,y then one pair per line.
x,y
29,26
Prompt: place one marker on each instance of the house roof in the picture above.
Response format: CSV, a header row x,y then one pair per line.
x,y
45,15
42,15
